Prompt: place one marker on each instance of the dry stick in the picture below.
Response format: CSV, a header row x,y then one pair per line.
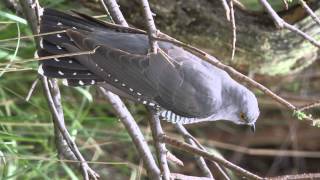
x,y
200,161
152,30
185,177
310,12
298,176
280,23
32,36
134,131
226,8
53,97
55,56
189,148
285,4
155,122
33,86
234,29
32,10
115,12
160,147
118,105
310,106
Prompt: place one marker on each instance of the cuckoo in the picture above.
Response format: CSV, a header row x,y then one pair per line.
x,y
182,87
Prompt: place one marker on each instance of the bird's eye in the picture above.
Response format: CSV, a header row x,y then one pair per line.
x,y
243,116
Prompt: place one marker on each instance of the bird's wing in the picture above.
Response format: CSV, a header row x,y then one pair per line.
x,y
121,61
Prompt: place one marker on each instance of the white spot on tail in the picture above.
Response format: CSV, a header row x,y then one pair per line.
x,y
65,82
93,82
59,47
70,61
41,43
109,75
59,36
152,104
139,94
116,80
123,85
61,73
130,89
75,73
56,59
74,27
40,70
144,102
59,23
81,83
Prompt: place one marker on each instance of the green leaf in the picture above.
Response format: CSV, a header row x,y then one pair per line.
x,y
13,17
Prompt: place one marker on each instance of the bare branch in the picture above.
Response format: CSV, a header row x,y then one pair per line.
x,y
152,30
297,177
65,145
310,12
185,177
160,147
280,23
115,12
134,132
226,8
234,29
189,148
200,161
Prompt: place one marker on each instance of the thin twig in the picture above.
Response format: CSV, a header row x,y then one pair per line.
x,y
31,9
297,176
134,131
310,12
310,106
185,177
280,23
152,30
189,148
200,160
226,8
234,29
160,147
33,86
115,12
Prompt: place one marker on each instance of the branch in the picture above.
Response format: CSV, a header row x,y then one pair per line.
x,y
280,23
66,147
310,12
115,12
298,176
199,159
134,132
152,30
188,148
161,149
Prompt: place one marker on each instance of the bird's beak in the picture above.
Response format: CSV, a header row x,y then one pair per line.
x,y
253,127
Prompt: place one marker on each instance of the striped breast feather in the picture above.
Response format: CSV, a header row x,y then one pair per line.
x,y
174,118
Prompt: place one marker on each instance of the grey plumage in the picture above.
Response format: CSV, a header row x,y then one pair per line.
x,y
183,87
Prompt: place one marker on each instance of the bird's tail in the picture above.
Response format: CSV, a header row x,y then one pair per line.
x,y
53,26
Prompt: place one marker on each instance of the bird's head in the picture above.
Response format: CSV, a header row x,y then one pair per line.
x,y
239,105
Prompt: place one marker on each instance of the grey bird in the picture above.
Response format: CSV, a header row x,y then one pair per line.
x,y
181,86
